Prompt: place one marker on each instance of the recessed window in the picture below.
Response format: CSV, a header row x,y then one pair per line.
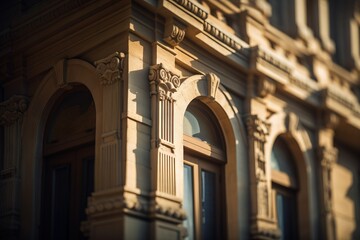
x,y
204,160
284,184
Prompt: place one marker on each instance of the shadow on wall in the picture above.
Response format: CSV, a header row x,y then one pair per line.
x,y
348,163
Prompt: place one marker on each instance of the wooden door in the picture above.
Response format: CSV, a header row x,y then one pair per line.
x,y
68,180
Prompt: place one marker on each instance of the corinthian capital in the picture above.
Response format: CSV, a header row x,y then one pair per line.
x,y
110,69
165,81
12,109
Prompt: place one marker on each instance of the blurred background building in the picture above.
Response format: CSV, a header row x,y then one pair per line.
x,y
171,119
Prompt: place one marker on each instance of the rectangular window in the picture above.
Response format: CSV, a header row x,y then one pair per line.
x,y
208,204
189,201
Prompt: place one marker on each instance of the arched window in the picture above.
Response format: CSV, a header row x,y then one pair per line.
x,y
285,185
68,164
204,160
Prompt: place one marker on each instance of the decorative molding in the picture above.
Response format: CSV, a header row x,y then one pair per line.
x,y
339,97
266,56
134,204
193,8
110,69
13,109
111,204
168,211
257,128
213,83
327,156
223,37
164,81
265,233
265,87
302,82
173,34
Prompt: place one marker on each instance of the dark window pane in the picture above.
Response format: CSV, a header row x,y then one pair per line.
x,y
60,202
286,213
208,203
282,159
87,184
188,201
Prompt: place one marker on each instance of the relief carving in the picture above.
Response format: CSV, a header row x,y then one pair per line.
x,y
163,82
13,109
213,84
265,87
328,157
173,34
258,130
110,69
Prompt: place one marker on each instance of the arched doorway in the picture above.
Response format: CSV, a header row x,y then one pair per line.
x,y
68,164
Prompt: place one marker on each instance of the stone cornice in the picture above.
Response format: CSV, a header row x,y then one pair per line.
x,y
345,99
13,109
264,56
230,41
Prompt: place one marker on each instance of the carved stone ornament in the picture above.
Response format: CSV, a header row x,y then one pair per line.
x,y
328,156
223,37
167,211
193,8
166,82
257,128
213,84
174,34
112,204
265,87
12,109
110,69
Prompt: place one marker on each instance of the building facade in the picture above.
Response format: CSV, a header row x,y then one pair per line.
x,y
172,119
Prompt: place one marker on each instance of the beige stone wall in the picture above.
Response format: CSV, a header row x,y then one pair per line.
x,y
346,189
